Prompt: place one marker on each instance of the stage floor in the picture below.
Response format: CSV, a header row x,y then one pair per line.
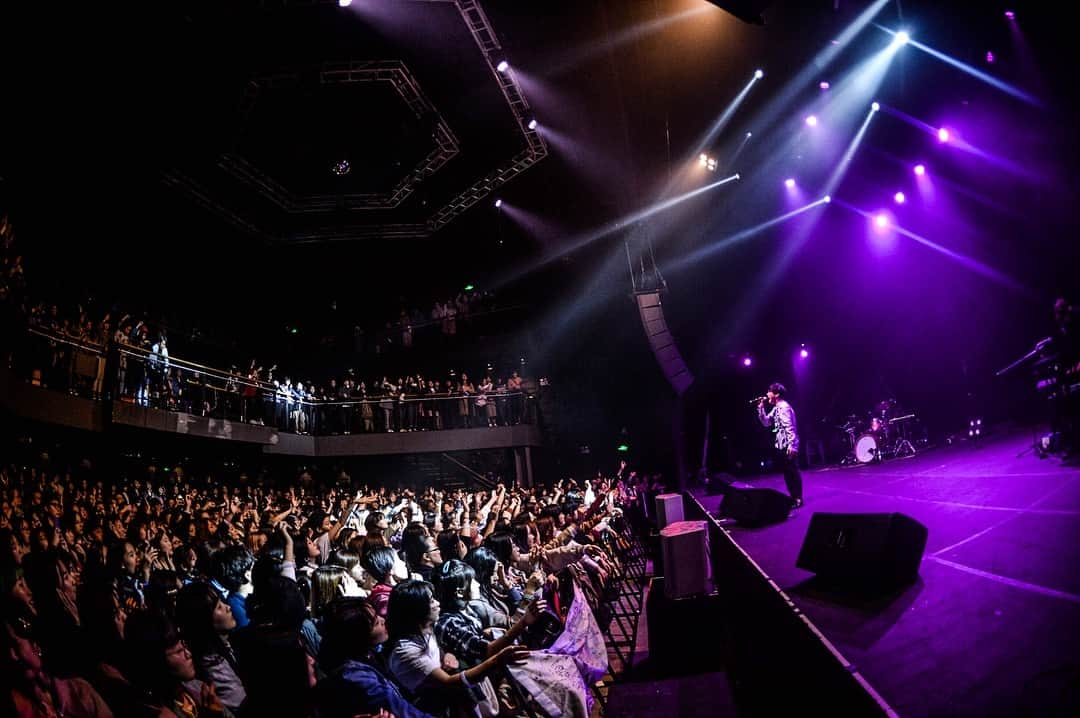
x,y
992,626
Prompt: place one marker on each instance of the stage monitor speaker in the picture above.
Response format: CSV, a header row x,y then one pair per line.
x,y
871,549
669,509
685,549
718,483
755,507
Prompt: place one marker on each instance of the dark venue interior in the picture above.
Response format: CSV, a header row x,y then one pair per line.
x,y
476,357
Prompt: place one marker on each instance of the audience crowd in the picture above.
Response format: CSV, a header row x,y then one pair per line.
x,y
112,354
180,595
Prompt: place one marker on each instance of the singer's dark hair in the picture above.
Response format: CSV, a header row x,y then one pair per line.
x,y
777,388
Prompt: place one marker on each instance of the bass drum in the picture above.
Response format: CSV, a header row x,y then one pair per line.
x,y
868,447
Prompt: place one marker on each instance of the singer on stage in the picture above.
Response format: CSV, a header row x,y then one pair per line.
x,y
781,419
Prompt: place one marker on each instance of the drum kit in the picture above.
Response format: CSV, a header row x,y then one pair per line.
x,y
884,434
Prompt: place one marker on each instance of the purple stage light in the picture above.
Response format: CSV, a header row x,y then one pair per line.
x,y
881,221
823,85
1010,15
899,198
747,361
804,353
943,135
990,57
811,121
498,203
789,183
920,170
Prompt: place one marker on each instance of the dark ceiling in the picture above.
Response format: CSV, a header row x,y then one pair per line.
x,y
179,154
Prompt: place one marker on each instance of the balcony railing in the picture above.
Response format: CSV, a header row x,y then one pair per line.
x,y
126,373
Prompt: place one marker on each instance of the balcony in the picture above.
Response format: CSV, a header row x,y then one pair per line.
x,y
58,379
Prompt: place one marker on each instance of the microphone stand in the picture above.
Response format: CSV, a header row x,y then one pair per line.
x,y
1031,354
1039,346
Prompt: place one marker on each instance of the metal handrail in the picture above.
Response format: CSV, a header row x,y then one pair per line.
x,y
271,390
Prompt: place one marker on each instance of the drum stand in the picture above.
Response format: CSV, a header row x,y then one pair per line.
x,y
901,445
850,458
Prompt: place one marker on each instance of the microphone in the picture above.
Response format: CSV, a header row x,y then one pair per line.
x,y
759,400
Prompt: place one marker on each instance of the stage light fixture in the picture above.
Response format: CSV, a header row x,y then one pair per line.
x,y
747,361
823,85
875,107
811,121
826,199
1010,15
758,74
532,124
899,198
989,57
881,221
902,38
749,134
920,170
344,3
498,203
503,66
804,352
789,183
943,135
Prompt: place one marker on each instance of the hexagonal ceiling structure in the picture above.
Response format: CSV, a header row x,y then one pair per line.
x,y
337,132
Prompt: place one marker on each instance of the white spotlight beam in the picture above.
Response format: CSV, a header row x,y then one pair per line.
x,y
778,106
729,111
971,71
577,57
615,226
703,143
732,239
841,168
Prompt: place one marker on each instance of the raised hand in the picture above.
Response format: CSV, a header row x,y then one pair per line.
x,y
450,662
513,655
532,613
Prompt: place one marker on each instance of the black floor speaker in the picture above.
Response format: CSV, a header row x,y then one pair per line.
x,y
755,507
868,549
